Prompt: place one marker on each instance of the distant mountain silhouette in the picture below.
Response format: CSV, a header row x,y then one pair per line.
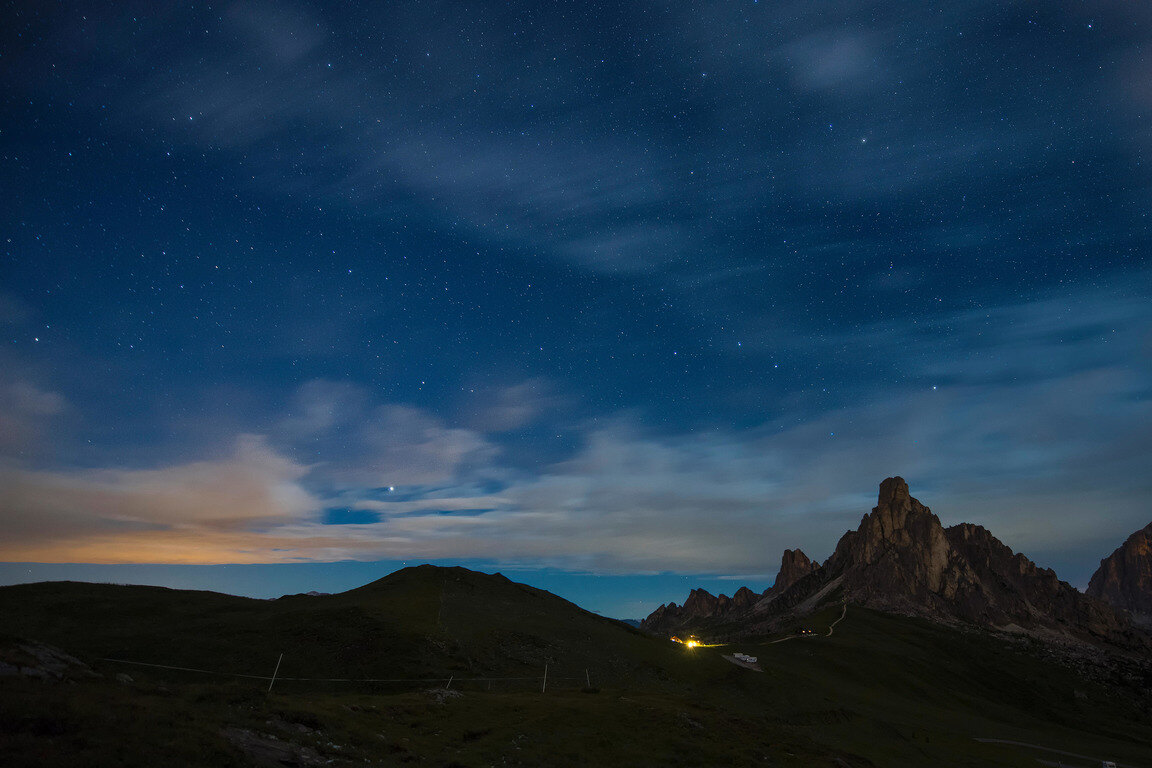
x,y
703,606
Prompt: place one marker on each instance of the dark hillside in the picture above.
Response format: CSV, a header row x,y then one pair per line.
x,y
418,622
881,690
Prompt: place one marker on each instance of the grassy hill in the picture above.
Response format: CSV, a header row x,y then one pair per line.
x,y
882,690
418,622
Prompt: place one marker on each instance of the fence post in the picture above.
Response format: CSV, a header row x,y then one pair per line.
x,y
545,686
274,673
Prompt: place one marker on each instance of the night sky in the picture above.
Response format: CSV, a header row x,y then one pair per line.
x,y
618,299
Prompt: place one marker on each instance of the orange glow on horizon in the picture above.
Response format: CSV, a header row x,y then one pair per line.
x,y
188,548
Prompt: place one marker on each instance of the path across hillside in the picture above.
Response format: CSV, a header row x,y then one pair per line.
x,y
1093,760
831,628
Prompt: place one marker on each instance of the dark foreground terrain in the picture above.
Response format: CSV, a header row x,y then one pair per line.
x,y
881,690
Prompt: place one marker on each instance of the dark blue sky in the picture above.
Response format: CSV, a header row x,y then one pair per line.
x,y
616,290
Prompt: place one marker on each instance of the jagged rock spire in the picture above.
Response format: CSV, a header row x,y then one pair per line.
x,y
894,491
794,565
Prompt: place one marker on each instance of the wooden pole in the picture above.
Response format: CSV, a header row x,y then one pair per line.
x,y
274,673
545,686
587,679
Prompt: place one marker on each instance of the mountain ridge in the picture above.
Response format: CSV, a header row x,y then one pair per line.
x,y
902,559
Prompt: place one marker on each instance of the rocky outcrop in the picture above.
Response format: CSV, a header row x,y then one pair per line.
x,y
701,608
1006,587
268,751
662,619
744,599
898,555
32,659
701,603
794,565
901,558
1124,578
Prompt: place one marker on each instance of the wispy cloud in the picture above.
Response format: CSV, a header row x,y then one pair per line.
x,y
788,180
1031,417
57,515
27,412
506,407
353,441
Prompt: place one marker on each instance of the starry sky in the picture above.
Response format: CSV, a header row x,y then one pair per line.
x,y
616,298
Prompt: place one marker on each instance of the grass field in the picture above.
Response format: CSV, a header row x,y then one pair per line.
x,y
882,690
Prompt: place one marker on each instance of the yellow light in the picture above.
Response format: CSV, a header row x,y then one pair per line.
x,y
691,643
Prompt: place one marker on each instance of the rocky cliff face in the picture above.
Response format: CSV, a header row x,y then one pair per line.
x,y
902,559
1124,578
794,565
700,603
744,599
1009,588
898,555
701,608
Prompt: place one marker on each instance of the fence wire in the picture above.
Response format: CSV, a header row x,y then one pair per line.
x,y
282,678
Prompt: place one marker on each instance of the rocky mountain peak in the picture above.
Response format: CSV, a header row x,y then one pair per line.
x,y
1124,578
701,605
897,518
901,558
744,598
700,602
894,494
794,565
900,547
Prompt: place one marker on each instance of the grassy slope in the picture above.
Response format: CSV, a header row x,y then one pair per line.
x,y
900,689
420,622
882,690
203,629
